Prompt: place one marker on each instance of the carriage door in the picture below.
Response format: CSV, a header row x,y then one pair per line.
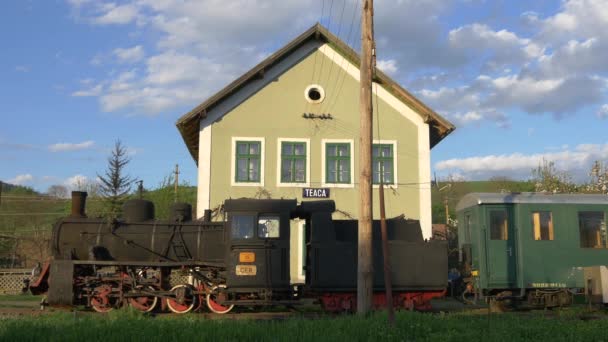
x,y
500,246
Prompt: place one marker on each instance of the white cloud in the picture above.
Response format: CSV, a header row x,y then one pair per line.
x,y
389,66
558,69
95,91
577,161
504,46
64,147
555,65
130,55
602,113
577,18
116,14
21,179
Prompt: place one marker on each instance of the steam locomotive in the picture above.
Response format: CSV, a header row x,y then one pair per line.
x,y
243,260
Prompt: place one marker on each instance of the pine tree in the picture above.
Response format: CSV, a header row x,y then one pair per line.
x,y
115,185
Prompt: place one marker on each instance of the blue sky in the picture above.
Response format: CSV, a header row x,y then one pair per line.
x,y
522,80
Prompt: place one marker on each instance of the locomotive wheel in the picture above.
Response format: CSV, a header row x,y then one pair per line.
x,y
184,301
217,293
144,303
101,300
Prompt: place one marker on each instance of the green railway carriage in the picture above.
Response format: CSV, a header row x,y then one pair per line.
x,y
537,247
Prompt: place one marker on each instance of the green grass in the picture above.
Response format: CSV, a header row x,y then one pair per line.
x,y
20,298
125,325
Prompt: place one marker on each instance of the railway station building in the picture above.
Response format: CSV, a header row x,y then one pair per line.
x,y
289,128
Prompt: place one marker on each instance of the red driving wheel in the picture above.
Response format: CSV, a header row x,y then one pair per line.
x,y
145,303
184,300
101,300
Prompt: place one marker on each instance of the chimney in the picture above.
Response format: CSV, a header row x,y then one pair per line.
x,y
79,201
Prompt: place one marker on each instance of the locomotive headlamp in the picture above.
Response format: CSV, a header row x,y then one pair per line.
x,y
246,257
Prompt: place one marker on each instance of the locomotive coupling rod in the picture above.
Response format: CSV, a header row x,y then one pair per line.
x,y
261,302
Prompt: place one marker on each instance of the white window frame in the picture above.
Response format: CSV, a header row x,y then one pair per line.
x,y
324,142
395,164
281,184
233,181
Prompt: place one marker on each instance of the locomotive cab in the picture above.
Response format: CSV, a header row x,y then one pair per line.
x,y
257,252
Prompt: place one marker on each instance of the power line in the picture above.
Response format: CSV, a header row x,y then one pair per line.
x,y
344,73
329,80
331,6
314,66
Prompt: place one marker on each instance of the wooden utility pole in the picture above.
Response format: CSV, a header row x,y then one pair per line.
x,y
0,192
365,274
176,180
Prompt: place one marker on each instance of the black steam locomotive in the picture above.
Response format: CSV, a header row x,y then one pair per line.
x,y
242,261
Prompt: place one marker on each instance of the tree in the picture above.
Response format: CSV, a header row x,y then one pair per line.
x,y
599,178
547,178
114,184
91,187
58,191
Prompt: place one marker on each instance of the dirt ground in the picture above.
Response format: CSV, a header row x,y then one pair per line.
x,y
26,306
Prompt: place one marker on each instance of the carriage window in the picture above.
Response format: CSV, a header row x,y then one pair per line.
x,y
242,226
592,227
498,225
542,222
268,226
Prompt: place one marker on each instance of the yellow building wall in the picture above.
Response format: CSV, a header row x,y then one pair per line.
x,y
276,111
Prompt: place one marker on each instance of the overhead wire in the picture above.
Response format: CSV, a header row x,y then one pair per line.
x,y
331,5
334,99
331,67
314,66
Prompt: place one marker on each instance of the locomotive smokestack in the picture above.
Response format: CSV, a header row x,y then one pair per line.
x,y
79,201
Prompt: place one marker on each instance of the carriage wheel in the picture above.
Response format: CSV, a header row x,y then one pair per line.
x,y
101,300
184,301
217,294
145,303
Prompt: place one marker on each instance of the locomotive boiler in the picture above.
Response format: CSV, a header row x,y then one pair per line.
x,y
242,260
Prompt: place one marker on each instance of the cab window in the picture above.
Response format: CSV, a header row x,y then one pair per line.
x,y
268,226
242,226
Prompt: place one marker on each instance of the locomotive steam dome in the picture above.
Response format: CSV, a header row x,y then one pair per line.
x,y
137,210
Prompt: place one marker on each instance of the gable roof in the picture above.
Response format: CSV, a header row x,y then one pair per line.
x,y
189,124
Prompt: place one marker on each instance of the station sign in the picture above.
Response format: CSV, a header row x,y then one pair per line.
x,y
315,193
